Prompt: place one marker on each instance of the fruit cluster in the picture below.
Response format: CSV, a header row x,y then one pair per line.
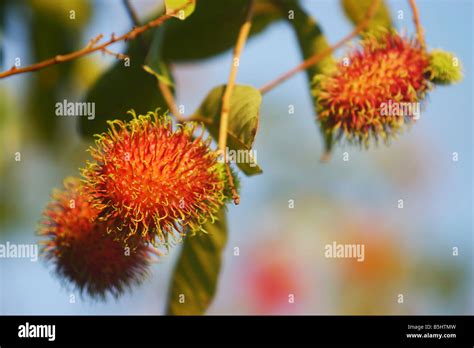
x,y
149,183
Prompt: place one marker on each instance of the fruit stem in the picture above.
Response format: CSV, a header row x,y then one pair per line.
x,y
235,194
226,98
243,34
416,20
164,89
316,58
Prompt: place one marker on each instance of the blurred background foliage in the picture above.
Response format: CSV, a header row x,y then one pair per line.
x,y
281,250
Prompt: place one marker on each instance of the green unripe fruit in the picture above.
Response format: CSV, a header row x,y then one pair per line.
x,y
444,68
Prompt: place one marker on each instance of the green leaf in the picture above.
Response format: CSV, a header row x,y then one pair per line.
x,y
311,41
197,270
356,11
120,89
185,7
243,120
214,27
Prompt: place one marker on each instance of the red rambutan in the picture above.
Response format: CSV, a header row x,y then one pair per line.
x,y
154,179
82,251
386,69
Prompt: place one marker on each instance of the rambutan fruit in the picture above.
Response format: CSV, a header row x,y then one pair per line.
x,y
155,179
83,253
386,69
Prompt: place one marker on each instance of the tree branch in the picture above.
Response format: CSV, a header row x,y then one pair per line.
x,y
93,46
321,55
